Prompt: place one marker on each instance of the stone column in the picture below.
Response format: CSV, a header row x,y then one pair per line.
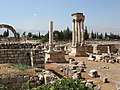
x,y
31,57
76,27
73,32
82,38
50,36
79,32
108,49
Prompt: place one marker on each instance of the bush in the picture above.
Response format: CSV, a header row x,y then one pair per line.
x,y
63,84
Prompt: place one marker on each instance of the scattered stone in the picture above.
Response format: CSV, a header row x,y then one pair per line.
x,y
104,79
82,64
89,85
93,73
77,75
90,81
97,87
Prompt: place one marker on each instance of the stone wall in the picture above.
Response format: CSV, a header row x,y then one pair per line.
x,y
22,53
18,81
89,49
101,48
21,56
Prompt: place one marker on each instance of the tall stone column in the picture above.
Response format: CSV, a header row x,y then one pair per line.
x,y
76,27
79,32
82,38
50,36
73,32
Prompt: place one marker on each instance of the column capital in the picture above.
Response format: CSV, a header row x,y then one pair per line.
x,y
73,20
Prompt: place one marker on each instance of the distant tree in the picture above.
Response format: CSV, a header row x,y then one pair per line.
x,y
56,35
35,36
47,35
29,35
5,34
111,36
101,36
106,35
92,35
39,36
61,36
86,35
18,35
45,38
97,35
67,34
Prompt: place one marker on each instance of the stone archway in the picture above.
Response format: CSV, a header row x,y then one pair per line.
x,y
10,28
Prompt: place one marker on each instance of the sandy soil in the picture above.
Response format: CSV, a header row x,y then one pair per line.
x,y
113,72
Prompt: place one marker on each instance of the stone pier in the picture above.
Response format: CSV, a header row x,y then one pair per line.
x,y
52,55
78,48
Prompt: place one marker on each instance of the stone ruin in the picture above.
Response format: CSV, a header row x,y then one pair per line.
x,y
107,58
53,55
22,53
78,48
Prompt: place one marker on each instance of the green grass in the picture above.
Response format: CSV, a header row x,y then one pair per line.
x,y
20,66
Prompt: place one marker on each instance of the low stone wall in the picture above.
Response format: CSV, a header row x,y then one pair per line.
x,y
21,56
101,48
16,82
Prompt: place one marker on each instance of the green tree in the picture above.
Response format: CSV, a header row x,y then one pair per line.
x,y
35,36
86,35
6,33
101,36
92,35
67,34
39,36
56,35
18,35
61,36
29,35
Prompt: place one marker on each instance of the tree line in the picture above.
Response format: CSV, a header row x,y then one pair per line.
x,y
66,35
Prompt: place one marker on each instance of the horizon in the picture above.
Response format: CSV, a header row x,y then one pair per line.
x,y
34,16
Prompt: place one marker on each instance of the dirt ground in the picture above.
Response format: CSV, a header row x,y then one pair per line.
x,y
113,72
6,70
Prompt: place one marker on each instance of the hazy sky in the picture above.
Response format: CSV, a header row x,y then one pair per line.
x,y
34,15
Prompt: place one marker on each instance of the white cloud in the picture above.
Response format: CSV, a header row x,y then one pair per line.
x,y
35,14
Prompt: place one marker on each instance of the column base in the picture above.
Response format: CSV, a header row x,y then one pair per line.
x,y
78,51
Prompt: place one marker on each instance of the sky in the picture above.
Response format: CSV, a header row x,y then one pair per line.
x,y
34,15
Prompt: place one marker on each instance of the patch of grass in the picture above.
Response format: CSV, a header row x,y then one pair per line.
x,y
20,66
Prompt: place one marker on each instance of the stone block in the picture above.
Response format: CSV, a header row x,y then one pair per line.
x,y
4,80
89,85
93,73
26,78
91,59
12,79
104,79
97,88
20,78
77,75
